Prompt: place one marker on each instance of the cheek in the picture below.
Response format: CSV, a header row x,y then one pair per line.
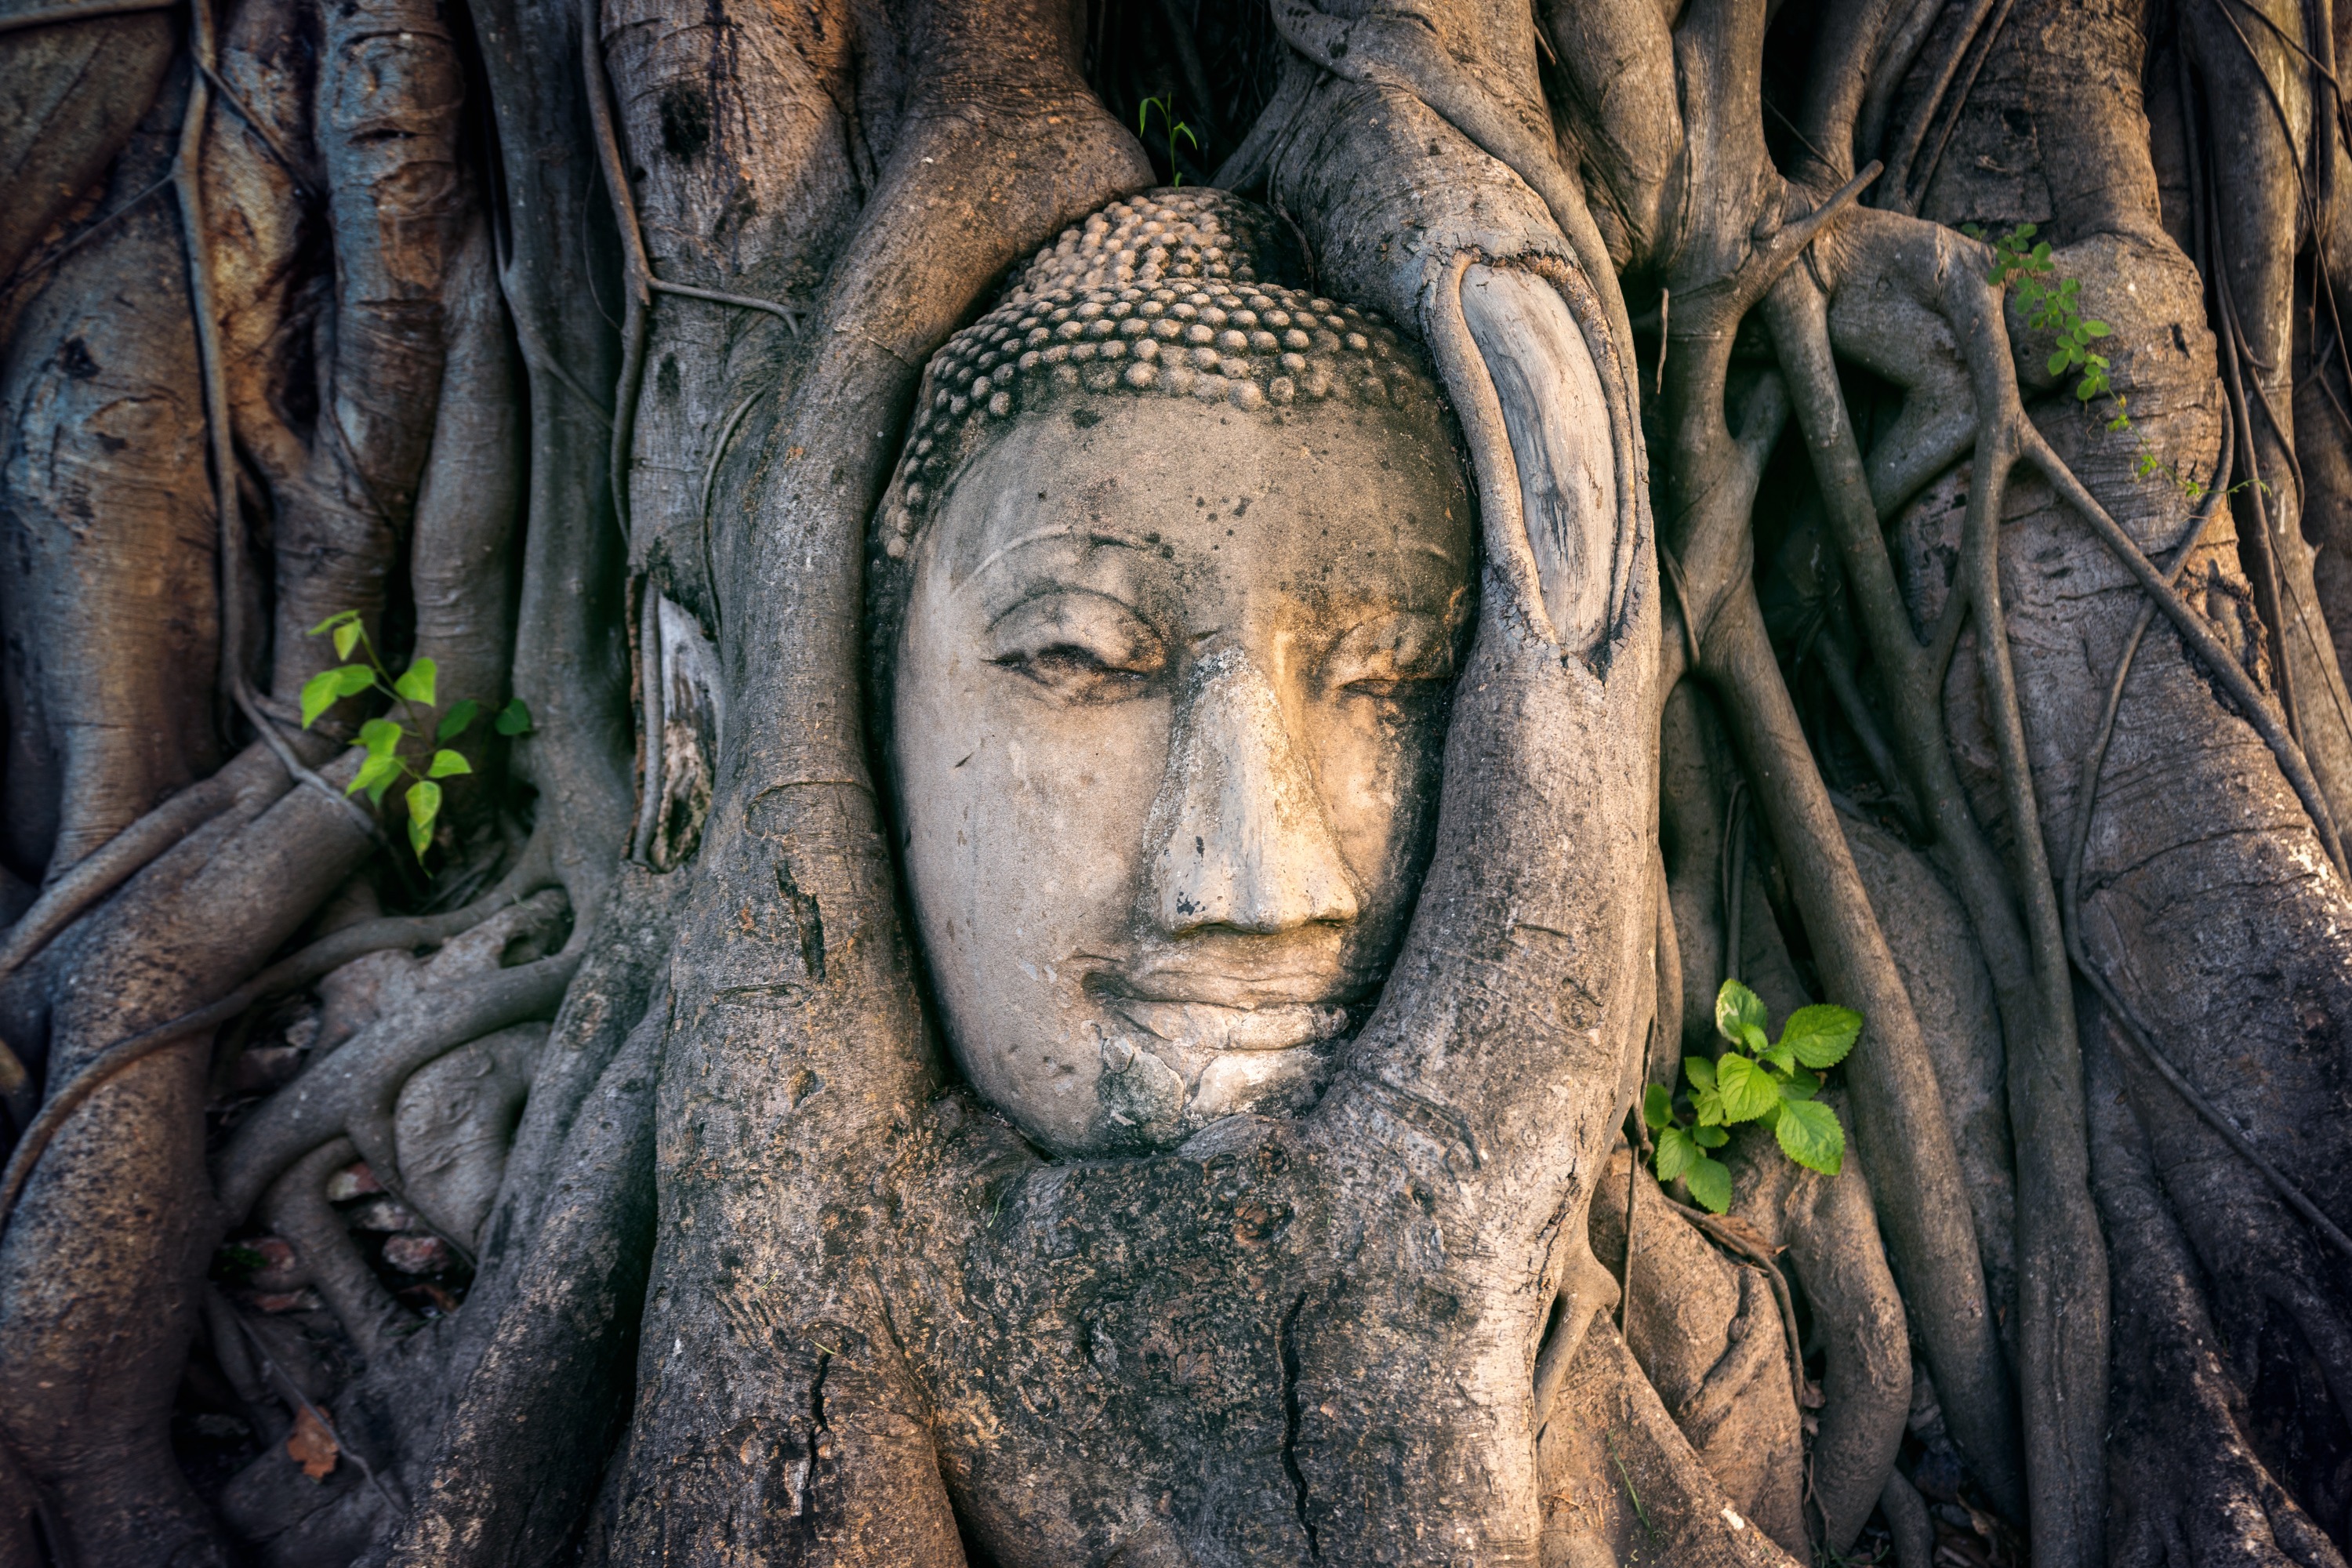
x,y
1379,773
1024,825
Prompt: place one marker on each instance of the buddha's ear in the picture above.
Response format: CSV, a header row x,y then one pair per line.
x,y
1535,407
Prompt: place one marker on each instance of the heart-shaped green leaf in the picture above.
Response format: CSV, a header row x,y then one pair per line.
x,y
1809,1134
445,763
319,694
1747,1090
374,775
1821,1035
381,736
1658,1107
454,722
415,682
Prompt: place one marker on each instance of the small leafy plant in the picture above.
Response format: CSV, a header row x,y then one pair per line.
x,y
1167,107
1757,1079
2053,306
413,688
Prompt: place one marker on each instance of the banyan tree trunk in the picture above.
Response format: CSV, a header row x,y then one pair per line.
x,y
1908,441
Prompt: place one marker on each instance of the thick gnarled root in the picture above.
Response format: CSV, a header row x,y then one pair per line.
x,y
460,995
2188,1488
1622,1484
1706,1330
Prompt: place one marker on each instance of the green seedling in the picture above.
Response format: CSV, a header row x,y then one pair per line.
x,y
2052,304
1166,108
1757,1079
414,689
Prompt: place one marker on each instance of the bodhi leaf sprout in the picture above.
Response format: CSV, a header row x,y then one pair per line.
x,y
415,689
1757,1079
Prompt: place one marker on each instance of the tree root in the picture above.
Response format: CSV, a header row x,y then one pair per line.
x,y
520,1452
453,1120
102,870
79,11
1907,1521
1923,1202
353,1090
1623,1479
295,1208
2194,1491
1830,1230
328,954
2252,704
1707,1331
2060,1333
1936,951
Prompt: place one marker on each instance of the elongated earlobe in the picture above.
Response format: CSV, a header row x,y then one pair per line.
x,y
1557,416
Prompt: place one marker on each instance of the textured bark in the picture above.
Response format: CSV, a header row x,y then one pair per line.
x,y
575,347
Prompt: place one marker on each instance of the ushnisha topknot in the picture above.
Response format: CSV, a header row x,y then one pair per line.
x,y
1172,293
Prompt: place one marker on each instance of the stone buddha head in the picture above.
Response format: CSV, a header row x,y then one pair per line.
x,y
1172,582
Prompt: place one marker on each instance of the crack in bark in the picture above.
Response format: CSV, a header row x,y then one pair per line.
x,y
817,1431
1290,1425
808,921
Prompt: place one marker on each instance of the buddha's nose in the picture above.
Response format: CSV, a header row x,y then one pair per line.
x,y
1247,845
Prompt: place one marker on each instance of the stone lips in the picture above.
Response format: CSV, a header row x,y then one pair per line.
x,y
1169,293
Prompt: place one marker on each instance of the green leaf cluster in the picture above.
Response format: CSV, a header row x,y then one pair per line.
x,y
1757,1079
415,689
2052,304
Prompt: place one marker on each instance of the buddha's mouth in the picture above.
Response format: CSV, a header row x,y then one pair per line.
x,y
1207,1026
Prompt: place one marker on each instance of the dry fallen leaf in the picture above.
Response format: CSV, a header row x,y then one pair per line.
x,y
311,1445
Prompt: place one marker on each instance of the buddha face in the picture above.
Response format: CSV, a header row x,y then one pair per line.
x,y
1169,703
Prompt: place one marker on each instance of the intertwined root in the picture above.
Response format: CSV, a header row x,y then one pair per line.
x,y
2194,888
316,412
460,995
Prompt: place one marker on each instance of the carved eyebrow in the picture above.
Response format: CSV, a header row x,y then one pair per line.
x,y
1091,534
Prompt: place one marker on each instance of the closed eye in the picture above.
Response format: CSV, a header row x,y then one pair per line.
x,y
1081,645
1392,657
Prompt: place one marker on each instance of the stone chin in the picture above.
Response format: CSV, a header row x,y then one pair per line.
x,y
1156,1092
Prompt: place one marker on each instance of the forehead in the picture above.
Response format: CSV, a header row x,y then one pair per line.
x,y
1324,494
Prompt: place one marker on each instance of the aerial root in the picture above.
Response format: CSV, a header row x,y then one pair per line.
x,y
1907,1521
2200,638
2203,1494
2126,1020
95,876
352,1092
296,1209
328,954
119,859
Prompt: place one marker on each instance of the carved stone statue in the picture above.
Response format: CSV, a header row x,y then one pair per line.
x,y
1187,560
